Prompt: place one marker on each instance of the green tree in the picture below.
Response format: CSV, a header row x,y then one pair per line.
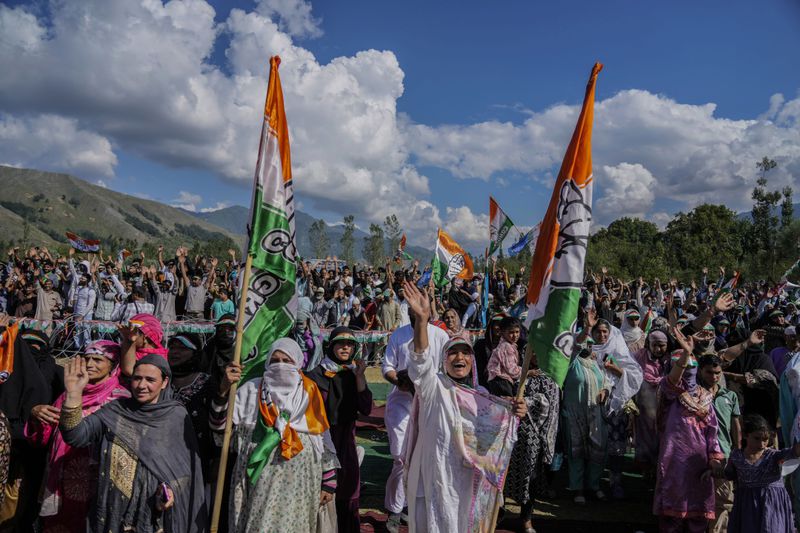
x,y
787,208
708,236
628,247
373,246
318,235
765,221
392,231
348,241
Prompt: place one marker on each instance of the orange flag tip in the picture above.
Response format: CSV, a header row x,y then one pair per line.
x,y
598,66
276,60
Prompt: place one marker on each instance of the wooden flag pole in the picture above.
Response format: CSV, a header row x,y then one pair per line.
x,y
520,395
237,356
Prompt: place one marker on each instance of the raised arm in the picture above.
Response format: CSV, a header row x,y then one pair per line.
x,y
687,346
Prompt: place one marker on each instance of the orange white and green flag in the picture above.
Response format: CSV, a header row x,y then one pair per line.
x,y
554,287
271,303
450,261
499,226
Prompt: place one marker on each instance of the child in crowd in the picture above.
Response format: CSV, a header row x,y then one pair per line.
x,y
504,366
761,502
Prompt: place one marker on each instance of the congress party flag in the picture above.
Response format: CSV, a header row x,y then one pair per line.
x,y
450,261
499,226
554,287
271,302
83,245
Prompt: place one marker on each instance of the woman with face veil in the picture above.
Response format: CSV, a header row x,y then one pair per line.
x,y
286,464
460,438
150,474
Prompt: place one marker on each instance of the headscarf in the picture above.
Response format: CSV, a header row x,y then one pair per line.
x,y
288,404
191,365
95,395
485,432
337,380
627,385
630,333
161,437
652,368
151,328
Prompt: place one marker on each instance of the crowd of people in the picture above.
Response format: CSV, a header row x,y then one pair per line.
x,y
699,381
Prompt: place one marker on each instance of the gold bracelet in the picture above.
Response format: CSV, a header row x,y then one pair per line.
x,y
70,417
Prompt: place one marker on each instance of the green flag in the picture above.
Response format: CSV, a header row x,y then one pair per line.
x,y
271,303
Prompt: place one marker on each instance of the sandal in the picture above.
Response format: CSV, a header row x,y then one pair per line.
x,y
580,500
601,496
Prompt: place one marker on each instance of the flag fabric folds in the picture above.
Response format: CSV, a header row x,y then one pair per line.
x,y
450,261
401,254
271,302
83,245
499,226
554,287
528,240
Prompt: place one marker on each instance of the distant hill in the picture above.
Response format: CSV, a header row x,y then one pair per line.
x,y
748,215
235,219
40,207
45,205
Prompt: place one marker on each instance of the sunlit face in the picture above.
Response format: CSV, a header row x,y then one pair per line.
x,y
511,335
458,361
147,383
600,333
98,367
757,441
344,350
711,375
451,320
280,357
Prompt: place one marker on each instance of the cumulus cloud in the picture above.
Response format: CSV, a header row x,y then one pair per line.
x,y
680,151
467,228
187,200
138,76
58,143
294,16
628,189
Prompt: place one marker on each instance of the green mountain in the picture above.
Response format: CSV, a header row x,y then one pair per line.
x,y
37,208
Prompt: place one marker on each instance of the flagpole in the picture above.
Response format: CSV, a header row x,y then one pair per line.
x,y
520,395
226,440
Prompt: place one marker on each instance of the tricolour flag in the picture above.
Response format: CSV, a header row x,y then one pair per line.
x,y
499,226
528,240
449,261
271,303
729,286
554,287
401,253
83,245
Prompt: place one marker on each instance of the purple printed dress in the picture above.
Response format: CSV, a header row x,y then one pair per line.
x,y
761,502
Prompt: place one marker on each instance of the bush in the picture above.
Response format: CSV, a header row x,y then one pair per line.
x,y
38,198
74,202
142,226
147,214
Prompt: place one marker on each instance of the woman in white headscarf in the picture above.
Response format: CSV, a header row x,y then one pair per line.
x,y
625,376
286,465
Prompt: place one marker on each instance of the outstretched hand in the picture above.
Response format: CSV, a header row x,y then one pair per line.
x,y
724,303
686,343
76,377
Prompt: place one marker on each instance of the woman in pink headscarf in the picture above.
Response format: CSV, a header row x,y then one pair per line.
x,y
140,336
71,476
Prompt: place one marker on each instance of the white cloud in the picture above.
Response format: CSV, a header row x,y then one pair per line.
x,y
661,219
137,75
54,143
628,189
468,229
691,155
187,200
294,16
215,207
101,183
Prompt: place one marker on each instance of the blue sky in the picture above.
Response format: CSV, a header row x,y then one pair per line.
x,y
451,75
